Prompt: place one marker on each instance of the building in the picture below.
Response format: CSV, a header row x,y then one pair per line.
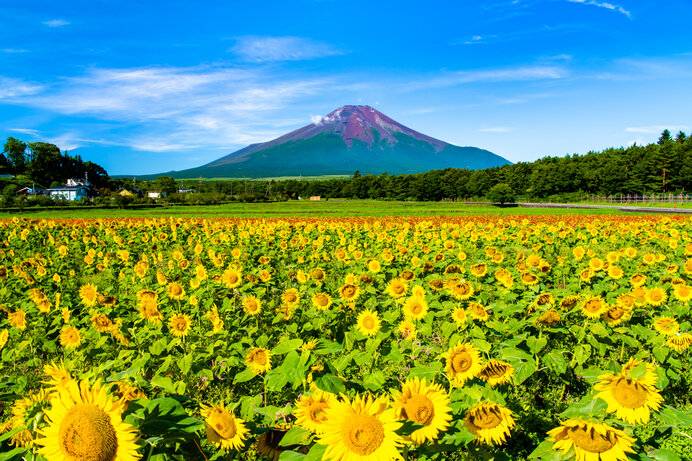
x,y
315,198
74,189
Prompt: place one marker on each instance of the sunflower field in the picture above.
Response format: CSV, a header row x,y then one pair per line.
x,y
546,338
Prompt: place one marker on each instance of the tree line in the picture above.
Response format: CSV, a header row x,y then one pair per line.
x,y
661,167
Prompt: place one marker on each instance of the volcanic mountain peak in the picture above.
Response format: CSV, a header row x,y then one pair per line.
x,y
362,123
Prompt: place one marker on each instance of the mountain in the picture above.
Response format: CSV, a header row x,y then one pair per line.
x,y
347,139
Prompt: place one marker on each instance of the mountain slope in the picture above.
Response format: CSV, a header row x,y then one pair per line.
x,y
348,139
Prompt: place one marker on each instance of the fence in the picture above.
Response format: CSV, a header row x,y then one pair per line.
x,y
643,198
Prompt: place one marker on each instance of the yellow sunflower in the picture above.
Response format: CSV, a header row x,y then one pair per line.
x,y
396,288
682,292
86,423
70,337
459,316
656,296
361,430
407,329
549,318
368,322
630,399
349,292
424,404
58,374
290,297
311,410
496,372
666,325
680,341
415,308
463,362
259,359
594,307
175,290
490,423
88,294
321,301
179,325
477,312
4,335
591,441
251,305
223,429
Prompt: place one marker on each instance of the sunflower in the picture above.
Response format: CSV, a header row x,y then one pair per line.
x,y
311,410
459,316
362,429
268,444
175,290
259,359
656,296
290,298
88,294
396,288
58,374
101,323
374,266
490,423
223,429
86,423
251,305
591,441
594,307
496,372
368,322
349,292
638,280
549,318
415,308
407,329
25,412
666,325
460,289
616,315
321,301
70,337
477,311
424,404
680,341
4,335
462,363
630,399
179,324
682,292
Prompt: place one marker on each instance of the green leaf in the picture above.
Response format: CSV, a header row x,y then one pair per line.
x,y
330,383
556,362
326,346
14,455
316,453
536,344
588,406
545,452
424,372
286,346
374,381
664,454
157,347
289,455
185,364
296,436
580,354
243,376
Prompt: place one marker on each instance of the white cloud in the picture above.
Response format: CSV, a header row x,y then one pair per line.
x,y
55,23
26,131
496,129
316,119
522,73
606,5
175,108
11,88
271,49
656,129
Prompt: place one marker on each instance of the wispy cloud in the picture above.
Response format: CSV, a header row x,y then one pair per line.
x,y
25,131
606,5
13,88
272,49
13,50
511,74
55,23
655,129
175,108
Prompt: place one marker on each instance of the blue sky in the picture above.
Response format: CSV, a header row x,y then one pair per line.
x,y
149,86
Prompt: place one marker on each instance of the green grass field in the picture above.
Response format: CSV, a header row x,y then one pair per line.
x,y
332,208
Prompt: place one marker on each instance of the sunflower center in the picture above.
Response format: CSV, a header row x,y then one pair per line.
x,y
629,393
368,323
486,418
259,357
461,361
416,308
590,440
349,291
223,424
316,411
419,409
86,433
364,434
